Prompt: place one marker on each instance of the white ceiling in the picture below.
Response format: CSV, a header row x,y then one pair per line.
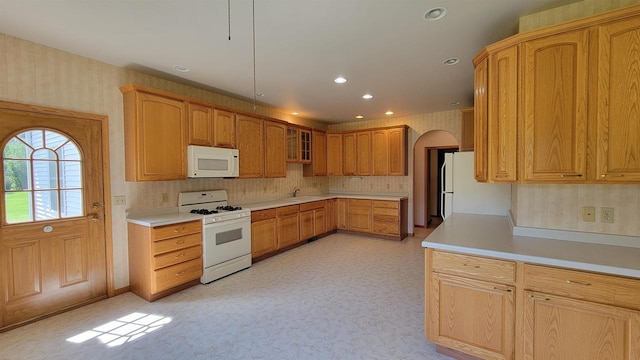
x,y
384,47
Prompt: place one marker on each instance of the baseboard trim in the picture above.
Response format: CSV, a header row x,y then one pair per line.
x,y
121,291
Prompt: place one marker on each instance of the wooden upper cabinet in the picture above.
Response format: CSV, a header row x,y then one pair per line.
x,y
480,120
466,142
349,154
224,132
554,115
618,102
200,120
334,154
319,153
293,144
503,114
305,146
155,136
275,152
397,151
250,142
379,152
363,153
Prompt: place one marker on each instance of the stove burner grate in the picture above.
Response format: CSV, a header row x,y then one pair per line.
x,y
203,211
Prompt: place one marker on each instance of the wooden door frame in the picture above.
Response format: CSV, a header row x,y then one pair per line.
x,y
427,168
104,121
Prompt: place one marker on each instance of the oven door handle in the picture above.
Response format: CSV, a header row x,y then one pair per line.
x,y
229,222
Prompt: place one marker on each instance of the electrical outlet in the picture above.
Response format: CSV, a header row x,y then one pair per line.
x,y
119,200
589,213
165,197
388,186
606,215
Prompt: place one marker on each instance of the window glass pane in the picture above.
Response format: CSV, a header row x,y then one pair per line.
x,y
70,203
44,154
46,204
45,175
18,207
70,174
16,175
33,138
16,149
53,140
69,152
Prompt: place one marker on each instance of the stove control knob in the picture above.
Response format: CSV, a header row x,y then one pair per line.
x,y
219,219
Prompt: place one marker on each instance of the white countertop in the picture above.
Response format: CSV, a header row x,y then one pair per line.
x,y
261,205
166,216
159,217
488,235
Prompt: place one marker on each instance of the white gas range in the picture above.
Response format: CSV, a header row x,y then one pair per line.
x,y
226,232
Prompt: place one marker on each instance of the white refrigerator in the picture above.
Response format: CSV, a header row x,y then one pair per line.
x,y
461,193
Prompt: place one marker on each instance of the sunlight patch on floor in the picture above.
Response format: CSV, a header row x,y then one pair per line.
x,y
123,330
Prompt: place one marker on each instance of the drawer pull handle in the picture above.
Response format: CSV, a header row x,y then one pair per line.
x,y
180,242
570,175
611,175
539,297
180,273
179,256
578,283
474,266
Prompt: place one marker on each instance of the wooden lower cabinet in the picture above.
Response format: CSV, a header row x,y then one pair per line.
x,y
342,206
359,215
386,217
561,328
313,220
263,232
288,225
561,313
164,259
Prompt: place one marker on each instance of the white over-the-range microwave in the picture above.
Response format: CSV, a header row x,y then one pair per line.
x,y
212,162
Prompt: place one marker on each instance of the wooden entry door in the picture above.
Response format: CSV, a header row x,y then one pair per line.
x,y
52,231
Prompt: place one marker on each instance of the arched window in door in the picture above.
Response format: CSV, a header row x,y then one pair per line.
x,y
42,177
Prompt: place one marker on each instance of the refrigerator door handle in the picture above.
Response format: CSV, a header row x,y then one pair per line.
x,y
444,184
442,199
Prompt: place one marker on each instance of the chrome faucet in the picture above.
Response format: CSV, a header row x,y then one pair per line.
x,y
295,191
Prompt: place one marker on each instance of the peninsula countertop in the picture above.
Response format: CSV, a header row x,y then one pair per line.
x,y
488,235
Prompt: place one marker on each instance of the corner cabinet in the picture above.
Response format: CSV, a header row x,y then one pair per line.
x,y
318,166
562,103
155,136
334,154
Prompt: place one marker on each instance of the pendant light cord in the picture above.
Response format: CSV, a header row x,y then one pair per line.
x,y
229,17
253,3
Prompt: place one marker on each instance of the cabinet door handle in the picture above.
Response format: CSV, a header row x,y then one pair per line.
x,y
474,266
180,273
499,289
578,283
180,255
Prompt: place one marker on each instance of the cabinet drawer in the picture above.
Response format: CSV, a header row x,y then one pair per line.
x,y
605,289
173,230
358,202
385,212
386,228
474,267
163,246
287,210
263,215
312,205
385,204
175,275
176,257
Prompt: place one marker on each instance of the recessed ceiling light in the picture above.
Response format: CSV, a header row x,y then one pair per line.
x,y
294,113
180,68
451,61
339,80
435,14
389,113
367,96
454,103
359,117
